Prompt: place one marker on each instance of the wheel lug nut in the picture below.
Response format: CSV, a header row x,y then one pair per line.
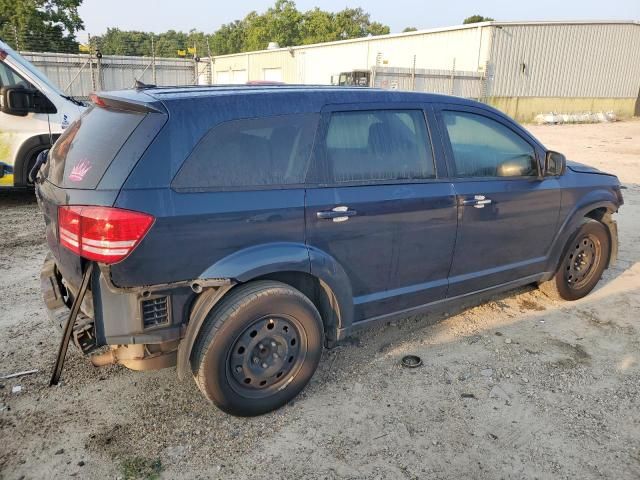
x,y
264,365
256,360
273,344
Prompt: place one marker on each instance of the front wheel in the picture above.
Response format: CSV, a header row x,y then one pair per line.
x,y
584,259
258,348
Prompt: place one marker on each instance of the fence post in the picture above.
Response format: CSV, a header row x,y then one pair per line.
x,y
153,61
93,77
485,83
15,33
99,68
453,74
413,75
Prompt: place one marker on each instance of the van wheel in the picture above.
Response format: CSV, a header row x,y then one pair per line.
x,y
258,348
585,258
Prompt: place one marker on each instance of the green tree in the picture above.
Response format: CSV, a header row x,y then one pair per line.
x,y
410,29
40,25
283,23
477,19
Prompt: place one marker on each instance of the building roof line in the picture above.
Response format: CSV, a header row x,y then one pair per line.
x,y
433,30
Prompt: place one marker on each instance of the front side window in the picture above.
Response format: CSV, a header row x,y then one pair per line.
x,y
483,147
254,152
9,78
378,145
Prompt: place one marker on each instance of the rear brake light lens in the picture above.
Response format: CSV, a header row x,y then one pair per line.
x,y
103,234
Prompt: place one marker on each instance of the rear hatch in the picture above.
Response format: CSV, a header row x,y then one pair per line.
x,y
88,165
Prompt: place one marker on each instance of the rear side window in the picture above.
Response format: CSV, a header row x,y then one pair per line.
x,y
380,145
255,152
483,147
85,150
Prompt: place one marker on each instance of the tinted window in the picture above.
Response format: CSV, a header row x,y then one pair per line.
x,y
379,145
251,153
483,147
87,147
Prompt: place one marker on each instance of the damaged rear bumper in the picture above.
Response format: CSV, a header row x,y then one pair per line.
x,y
131,344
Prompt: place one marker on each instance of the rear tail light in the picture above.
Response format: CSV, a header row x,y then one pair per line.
x,y
103,234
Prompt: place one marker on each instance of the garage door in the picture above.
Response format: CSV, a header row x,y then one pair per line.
x,y
239,76
272,74
223,78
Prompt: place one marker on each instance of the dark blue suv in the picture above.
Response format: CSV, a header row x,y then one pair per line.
x,y
235,231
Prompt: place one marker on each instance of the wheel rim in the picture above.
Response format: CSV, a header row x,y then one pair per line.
x,y
582,261
266,355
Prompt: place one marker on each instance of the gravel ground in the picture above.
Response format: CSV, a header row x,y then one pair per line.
x,y
518,387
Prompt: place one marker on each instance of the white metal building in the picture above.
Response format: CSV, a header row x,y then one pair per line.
x,y
523,68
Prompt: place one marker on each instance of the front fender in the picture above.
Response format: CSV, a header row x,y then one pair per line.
x,y
593,200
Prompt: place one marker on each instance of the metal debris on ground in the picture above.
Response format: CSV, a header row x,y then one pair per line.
x,y
19,374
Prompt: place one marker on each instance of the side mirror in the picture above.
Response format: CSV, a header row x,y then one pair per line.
x,y
20,101
554,164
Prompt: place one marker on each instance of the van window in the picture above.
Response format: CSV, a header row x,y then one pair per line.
x,y
9,78
254,152
379,145
87,147
483,147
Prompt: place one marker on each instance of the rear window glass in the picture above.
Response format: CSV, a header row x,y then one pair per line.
x,y
88,146
255,152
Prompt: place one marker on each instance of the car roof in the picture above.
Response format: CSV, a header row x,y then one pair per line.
x,y
316,94
176,93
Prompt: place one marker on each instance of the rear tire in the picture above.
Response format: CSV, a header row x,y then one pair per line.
x,y
584,259
258,348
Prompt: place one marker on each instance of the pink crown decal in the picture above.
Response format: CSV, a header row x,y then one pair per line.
x,y
79,170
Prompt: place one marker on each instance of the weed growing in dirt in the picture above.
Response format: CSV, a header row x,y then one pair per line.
x,y
140,468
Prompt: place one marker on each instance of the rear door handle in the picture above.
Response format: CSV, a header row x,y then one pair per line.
x,y
478,201
337,214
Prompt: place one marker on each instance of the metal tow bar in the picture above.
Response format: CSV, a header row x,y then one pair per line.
x,y
68,328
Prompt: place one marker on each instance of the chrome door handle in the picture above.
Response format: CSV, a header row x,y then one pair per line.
x,y
337,214
478,201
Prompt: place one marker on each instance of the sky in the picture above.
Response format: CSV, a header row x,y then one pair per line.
x,y
207,16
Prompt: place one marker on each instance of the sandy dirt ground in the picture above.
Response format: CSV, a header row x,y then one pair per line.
x,y
518,387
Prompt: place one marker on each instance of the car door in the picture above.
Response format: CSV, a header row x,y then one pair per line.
x,y
508,211
380,209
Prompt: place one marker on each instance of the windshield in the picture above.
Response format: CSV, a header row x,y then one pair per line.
x,y
33,71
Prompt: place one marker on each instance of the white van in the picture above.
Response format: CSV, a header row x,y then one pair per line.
x,y
33,114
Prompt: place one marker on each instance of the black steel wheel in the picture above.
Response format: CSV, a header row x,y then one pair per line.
x,y
584,259
266,354
258,348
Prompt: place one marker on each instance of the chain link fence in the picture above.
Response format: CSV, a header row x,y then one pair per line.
x,y
142,59
448,82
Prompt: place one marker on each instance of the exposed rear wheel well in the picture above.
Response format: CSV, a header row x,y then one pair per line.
x,y
318,292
